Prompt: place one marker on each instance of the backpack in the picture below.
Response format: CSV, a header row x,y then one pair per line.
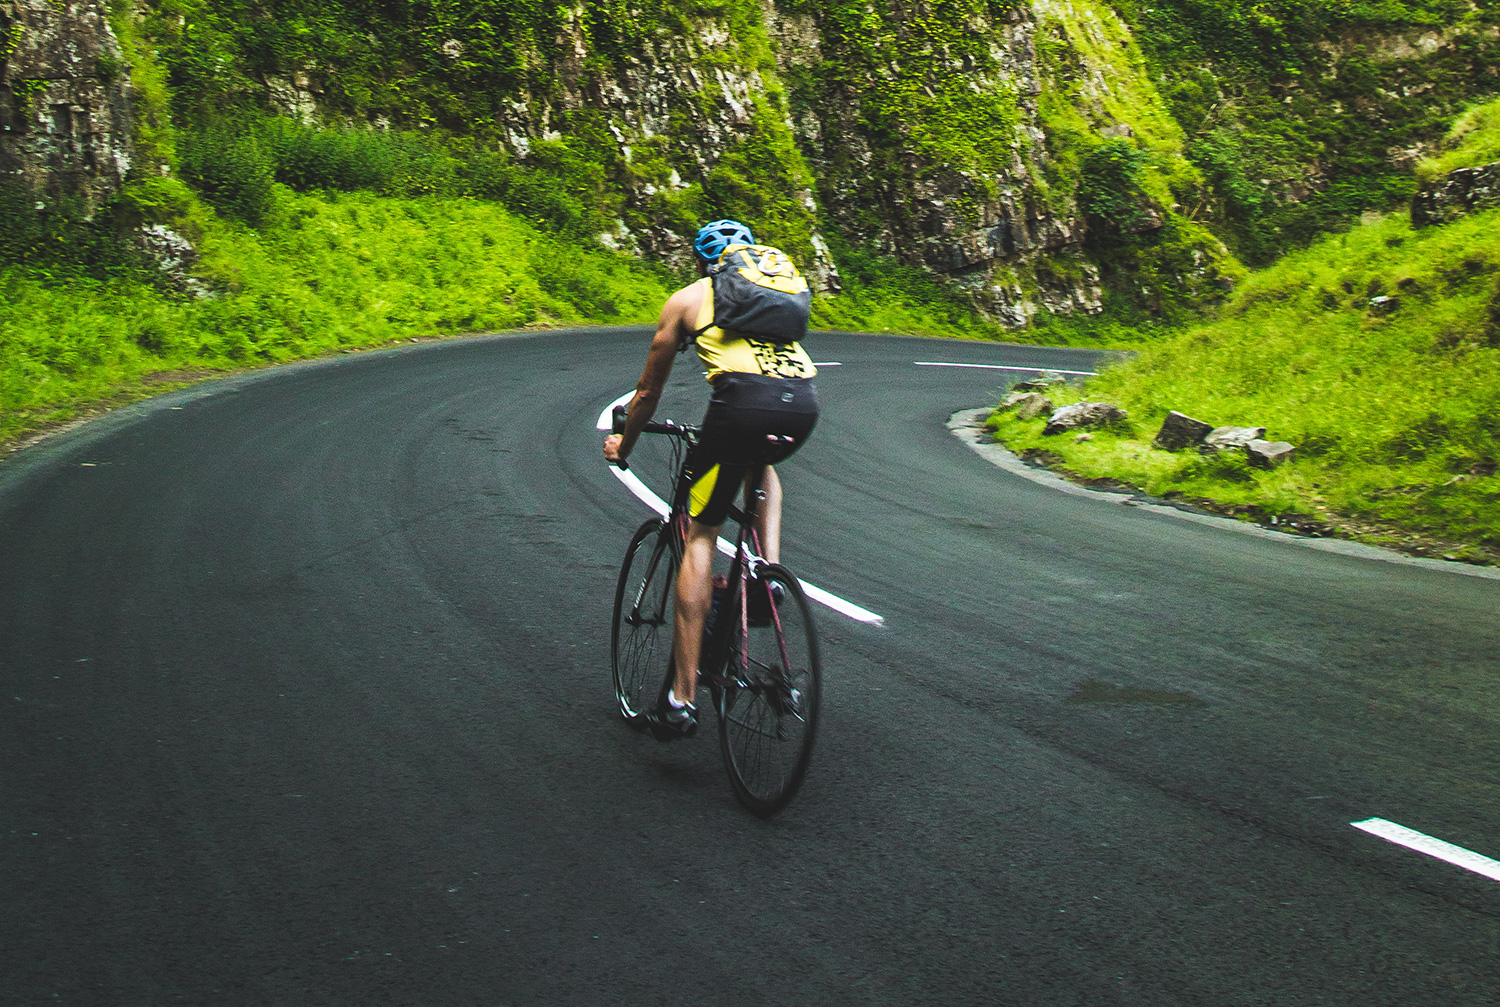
x,y
759,294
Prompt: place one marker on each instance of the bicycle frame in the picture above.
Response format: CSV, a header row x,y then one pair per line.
x,y
759,658
744,566
745,562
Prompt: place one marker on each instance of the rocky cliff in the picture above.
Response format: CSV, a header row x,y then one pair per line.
x,y
1043,156
66,132
942,135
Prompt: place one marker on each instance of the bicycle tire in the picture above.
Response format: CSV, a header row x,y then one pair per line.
x,y
766,732
641,637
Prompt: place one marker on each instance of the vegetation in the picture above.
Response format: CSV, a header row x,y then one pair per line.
x,y
415,96
1474,140
1298,113
1394,406
323,274
354,172
881,295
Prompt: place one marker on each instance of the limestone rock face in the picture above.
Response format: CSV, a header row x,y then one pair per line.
x,y
855,142
1457,193
690,94
65,126
973,226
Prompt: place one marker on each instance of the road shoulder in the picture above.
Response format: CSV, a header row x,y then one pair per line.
x,y
968,426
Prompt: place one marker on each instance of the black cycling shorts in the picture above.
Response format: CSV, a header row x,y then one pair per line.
x,y
752,420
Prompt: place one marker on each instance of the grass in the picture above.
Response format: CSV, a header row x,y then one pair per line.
x,y
1395,414
1474,140
881,295
329,272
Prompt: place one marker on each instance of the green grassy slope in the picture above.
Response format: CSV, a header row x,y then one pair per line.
x,y
326,273
1396,414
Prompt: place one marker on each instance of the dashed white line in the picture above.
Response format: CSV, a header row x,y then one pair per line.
x,y
643,493
1000,367
1422,843
828,363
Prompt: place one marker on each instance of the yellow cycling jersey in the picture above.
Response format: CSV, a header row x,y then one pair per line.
x,y
728,352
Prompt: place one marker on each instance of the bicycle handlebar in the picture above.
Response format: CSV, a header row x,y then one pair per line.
x,y
684,431
617,424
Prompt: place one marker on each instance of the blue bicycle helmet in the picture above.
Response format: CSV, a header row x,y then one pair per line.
x,y
713,238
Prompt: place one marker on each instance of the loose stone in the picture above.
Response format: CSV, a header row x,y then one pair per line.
x,y
1032,405
1040,383
1268,454
1084,414
1223,438
1180,431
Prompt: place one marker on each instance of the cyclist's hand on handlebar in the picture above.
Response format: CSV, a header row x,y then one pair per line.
x,y
612,450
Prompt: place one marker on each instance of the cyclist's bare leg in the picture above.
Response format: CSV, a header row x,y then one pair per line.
x,y
768,518
694,595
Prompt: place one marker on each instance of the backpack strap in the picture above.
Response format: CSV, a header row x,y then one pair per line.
x,y
708,307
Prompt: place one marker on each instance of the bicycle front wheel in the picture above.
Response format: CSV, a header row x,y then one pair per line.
x,y
768,708
642,635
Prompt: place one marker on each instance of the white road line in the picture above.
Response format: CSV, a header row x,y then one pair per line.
x,y
605,420
641,490
838,604
827,363
643,493
1414,840
999,367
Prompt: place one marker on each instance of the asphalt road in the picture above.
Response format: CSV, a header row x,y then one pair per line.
x,y
305,699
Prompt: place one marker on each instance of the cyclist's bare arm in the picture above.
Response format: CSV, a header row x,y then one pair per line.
x,y
676,321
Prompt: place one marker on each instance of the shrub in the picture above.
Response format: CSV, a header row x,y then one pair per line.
x,y
1110,188
232,170
305,157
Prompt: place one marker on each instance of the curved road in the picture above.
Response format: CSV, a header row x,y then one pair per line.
x,y
306,701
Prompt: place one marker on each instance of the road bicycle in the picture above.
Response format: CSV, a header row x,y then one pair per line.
x,y
760,649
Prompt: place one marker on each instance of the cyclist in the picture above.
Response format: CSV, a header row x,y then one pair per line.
x,y
764,405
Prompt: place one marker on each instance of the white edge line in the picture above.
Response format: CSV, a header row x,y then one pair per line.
x,y
644,494
606,421
641,490
841,606
1000,367
1422,843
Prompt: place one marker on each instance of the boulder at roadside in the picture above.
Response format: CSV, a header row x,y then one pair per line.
x,y
1268,454
1083,414
1180,431
1040,383
1028,405
1224,438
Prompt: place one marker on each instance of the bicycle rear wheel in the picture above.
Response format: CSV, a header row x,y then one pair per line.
x,y
768,708
642,635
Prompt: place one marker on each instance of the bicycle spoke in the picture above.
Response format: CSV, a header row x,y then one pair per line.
x,y
642,631
769,715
